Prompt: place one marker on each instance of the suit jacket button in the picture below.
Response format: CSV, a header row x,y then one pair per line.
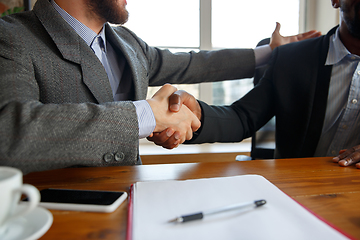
x,y
108,157
119,156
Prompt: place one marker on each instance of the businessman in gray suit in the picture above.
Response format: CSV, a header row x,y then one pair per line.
x,y
72,87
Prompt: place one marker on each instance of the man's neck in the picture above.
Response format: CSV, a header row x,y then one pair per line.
x,y
351,43
79,10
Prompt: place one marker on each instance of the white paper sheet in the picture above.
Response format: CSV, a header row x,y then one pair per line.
x,y
157,202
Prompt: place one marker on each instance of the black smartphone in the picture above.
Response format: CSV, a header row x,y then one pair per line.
x,y
81,200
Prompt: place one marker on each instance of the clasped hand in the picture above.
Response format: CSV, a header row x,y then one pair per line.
x,y
174,123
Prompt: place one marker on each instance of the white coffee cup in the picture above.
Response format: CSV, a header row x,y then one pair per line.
x,y
11,188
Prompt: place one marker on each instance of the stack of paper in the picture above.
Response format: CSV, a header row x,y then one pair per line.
x,y
153,204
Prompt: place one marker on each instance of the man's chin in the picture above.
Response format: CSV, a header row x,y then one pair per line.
x,y
355,31
120,19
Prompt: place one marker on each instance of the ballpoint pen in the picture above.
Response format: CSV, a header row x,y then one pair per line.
x,y
201,215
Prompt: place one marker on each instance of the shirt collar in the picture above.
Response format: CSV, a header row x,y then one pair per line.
x,y
337,50
82,30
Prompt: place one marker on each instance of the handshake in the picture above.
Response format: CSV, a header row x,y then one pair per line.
x,y
177,115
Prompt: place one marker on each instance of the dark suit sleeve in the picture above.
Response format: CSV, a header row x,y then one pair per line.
x,y
219,124
241,119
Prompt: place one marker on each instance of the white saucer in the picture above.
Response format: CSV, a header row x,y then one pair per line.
x,y
29,227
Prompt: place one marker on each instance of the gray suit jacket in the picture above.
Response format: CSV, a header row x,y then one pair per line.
x,y
56,104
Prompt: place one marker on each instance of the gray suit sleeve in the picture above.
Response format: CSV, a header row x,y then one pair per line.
x,y
193,67
203,66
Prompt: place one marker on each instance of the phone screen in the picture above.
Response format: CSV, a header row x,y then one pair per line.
x,y
79,196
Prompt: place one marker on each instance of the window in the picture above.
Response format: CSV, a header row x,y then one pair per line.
x,y
242,24
211,24
167,24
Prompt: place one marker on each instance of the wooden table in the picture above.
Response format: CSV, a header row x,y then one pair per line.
x,y
328,190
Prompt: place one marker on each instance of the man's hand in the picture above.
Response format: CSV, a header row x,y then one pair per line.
x,y
180,97
348,157
170,138
278,40
183,122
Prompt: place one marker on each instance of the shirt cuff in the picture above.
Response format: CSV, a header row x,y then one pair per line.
x,y
146,118
262,55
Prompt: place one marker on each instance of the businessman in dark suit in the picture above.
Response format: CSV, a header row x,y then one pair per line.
x,y
313,89
72,87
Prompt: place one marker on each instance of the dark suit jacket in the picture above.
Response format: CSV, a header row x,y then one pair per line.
x,y
294,89
56,103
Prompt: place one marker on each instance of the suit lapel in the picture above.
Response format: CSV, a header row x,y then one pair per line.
x,y
131,72
94,75
319,103
74,49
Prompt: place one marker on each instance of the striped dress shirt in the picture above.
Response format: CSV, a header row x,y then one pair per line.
x,y
342,120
